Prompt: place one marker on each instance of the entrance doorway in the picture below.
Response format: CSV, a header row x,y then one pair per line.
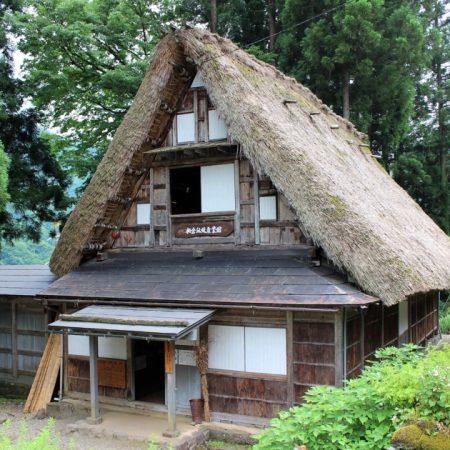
x,y
149,376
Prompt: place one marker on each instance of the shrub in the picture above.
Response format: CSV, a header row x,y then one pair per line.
x,y
401,384
46,439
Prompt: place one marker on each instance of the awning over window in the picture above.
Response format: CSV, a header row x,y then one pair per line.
x,y
135,322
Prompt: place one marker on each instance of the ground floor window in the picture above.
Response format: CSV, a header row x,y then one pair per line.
x,y
247,349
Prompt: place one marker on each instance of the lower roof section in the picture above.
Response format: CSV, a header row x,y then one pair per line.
x,y
136,322
24,280
226,278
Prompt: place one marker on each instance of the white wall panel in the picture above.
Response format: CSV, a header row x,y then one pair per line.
x,y
226,347
265,350
108,347
143,214
198,81
217,186
185,128
403,322
268,208
216,126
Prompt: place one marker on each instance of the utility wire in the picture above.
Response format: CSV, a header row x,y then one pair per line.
x,y
296,25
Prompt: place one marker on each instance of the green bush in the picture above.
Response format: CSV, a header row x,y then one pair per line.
x,y
401,384
444,321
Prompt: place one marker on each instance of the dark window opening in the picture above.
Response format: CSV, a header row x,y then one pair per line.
x,y
185,191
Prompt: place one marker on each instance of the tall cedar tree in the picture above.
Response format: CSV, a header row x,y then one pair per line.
x,y
422,167
36,181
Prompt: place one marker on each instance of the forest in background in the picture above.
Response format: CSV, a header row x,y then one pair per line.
x,y
384,64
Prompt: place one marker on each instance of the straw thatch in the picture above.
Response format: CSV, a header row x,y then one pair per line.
x,y
345,200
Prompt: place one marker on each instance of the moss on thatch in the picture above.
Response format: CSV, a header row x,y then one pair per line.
x,y
349,206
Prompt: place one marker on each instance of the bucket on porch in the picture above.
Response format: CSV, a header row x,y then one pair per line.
x,y
197,409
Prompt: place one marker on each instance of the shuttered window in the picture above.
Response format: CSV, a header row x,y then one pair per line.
x,y
247,349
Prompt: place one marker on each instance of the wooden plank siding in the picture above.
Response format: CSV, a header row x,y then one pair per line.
x,y
247,394
22,339
249,186
423,317
112,375
313,352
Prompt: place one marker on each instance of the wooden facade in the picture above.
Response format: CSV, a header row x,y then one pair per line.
x,y
322,348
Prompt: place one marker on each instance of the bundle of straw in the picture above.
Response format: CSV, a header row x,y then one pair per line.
x,y
202,365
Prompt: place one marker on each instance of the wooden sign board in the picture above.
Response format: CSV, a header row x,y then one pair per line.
x,y
208,229
112,373
169,353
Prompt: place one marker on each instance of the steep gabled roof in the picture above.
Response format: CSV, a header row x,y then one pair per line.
x,y
348,204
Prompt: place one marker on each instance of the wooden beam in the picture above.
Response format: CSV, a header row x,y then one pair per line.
x,y
95,417
195,146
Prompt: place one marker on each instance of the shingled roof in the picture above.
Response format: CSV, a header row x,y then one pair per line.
x,y
349,205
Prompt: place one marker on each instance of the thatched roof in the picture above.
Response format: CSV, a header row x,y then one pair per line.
x,y
349,205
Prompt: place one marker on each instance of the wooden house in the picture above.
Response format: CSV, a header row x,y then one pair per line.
x,y
23,322
235,213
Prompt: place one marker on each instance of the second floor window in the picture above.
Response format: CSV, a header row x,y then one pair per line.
x,y
205,189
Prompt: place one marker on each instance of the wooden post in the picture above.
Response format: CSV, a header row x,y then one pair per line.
x,y
152,204
237,201
168,208
93,379
14,355
169,357
256,200
362,338
340,347
290,357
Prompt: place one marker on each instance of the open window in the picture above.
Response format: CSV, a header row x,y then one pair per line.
x,y
205,189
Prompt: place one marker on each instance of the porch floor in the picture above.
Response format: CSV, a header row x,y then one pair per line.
x,y
130,425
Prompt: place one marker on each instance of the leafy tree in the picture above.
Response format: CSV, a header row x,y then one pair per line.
x,y
86,62
36,182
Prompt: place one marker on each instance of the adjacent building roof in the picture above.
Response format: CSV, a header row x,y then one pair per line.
x,y
345,200
221,278
24,281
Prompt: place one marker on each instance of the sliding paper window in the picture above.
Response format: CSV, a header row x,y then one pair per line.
x,y
203,189
247,349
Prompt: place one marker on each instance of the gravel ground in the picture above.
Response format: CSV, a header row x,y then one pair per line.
x,y
69,440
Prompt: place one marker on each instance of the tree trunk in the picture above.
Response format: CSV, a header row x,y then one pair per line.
x,y
346,95
213,25
271,13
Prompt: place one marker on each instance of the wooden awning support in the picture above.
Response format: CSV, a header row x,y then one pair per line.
x,y
169,363
95,417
